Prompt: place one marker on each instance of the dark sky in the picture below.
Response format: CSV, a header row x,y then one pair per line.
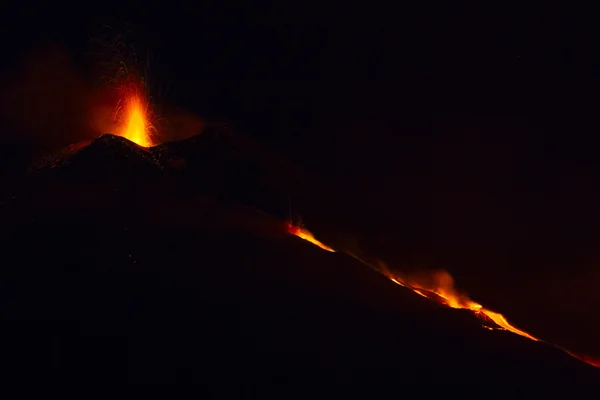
x,y
469,135
304,77
295,74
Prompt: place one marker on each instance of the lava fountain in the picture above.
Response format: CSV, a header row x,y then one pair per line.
x,y
132,115
135,129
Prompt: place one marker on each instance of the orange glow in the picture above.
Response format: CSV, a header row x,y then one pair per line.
x,y
439,286
501,321
133,114
442,290
306,235
397,281
136,124
586,359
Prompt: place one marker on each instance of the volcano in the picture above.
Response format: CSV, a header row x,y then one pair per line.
x,y
176,263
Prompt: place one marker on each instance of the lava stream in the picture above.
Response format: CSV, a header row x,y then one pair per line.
x,y
440,287
306,235
447,296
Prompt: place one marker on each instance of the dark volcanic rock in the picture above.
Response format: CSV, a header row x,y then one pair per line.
x,y
108,154
118,268
218,163
91,301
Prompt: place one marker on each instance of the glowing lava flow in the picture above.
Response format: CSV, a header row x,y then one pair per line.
x,y
444,293
306,235
440,287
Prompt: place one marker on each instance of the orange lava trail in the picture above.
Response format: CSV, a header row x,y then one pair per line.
x,y
443,291
306,235
454,300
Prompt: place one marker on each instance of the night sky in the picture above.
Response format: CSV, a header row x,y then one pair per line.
x,y
461,138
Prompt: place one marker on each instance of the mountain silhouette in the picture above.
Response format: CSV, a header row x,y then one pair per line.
x,y
174,264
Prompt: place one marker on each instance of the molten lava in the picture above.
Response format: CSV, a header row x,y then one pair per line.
x,y
440,287
136,127
133,113
306,235
443,291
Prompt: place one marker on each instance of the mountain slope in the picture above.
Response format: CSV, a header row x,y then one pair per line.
x,y
115,269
